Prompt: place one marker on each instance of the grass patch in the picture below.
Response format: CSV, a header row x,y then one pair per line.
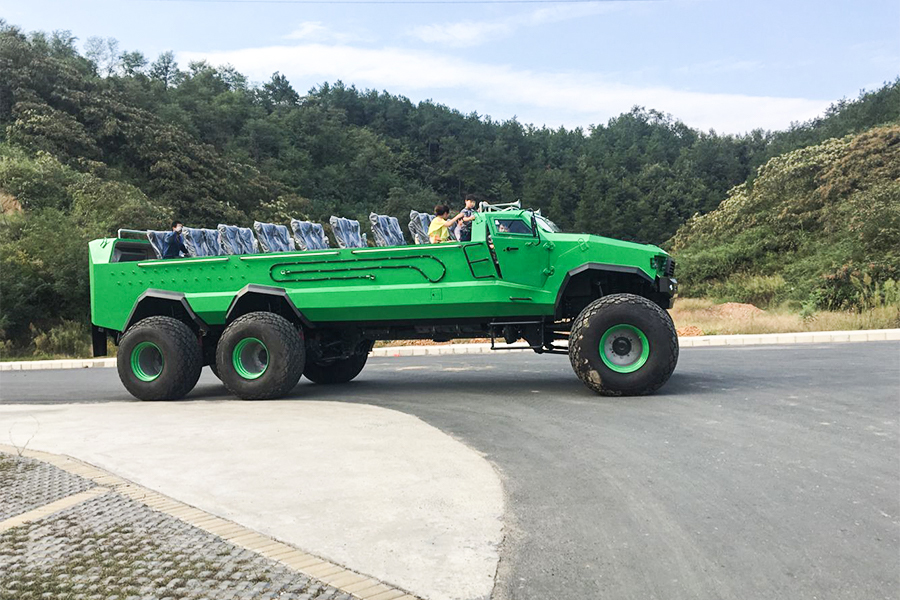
x,y
704,315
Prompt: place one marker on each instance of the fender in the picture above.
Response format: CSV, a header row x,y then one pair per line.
x,y
253,297
163,302
601,268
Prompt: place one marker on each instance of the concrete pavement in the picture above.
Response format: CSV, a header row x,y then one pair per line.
x,y
365,487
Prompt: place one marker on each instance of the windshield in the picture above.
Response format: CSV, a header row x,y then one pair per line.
x,y
546,224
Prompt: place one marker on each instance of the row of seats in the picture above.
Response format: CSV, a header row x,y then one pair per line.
x,y
269,237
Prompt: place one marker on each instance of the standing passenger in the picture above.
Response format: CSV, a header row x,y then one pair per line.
x,y
465,224
174,245
439,230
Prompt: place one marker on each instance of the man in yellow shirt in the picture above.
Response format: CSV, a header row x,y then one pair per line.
x,y
439,230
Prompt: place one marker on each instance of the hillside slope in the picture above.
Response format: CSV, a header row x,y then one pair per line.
x,y
819,225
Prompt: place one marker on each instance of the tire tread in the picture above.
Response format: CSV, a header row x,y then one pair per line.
x,y
581,365
187,370
286,372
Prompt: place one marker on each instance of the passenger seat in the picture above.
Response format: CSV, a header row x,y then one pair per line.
x,y
158,241
202,242
387,230
309,235
274,238
418,226
237,240
346,232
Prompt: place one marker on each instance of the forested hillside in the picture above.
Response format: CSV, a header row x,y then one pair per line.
x,y
93,141
820,225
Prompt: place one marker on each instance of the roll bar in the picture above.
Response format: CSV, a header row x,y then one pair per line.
x,y
488,207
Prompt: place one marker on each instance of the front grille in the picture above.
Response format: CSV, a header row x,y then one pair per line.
x,y
670,268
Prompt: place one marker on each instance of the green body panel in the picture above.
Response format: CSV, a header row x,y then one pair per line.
x,y
439,281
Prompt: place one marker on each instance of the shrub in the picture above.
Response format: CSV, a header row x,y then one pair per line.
x,y
69,338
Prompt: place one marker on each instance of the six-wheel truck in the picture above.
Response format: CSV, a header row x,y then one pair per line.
x,y
261,321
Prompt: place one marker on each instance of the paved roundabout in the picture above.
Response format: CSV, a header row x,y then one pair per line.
x,y
765,471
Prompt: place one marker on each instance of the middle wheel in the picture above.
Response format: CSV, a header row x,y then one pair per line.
x,y
260,356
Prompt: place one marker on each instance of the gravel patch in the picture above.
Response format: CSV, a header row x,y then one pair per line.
x,y
112,547
26,484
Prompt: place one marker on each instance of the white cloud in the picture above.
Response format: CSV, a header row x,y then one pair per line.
x,y
552,98
472,33
315,31
463,33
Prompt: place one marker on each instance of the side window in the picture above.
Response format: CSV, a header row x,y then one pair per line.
x,y
512,226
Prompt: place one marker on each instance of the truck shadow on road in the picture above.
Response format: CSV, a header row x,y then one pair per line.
x,y
415,386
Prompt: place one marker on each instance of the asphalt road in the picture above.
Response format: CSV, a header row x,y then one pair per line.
x,y
756,472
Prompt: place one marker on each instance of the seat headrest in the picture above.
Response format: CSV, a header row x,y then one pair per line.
x,y
387,230
309,235
346,232
274,238
237,240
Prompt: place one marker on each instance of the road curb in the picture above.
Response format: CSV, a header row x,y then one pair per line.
x,y
804,337
359,586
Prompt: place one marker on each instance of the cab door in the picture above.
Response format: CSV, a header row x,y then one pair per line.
x,y
519,250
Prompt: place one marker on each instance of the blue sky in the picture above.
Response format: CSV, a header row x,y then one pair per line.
x,y
727,65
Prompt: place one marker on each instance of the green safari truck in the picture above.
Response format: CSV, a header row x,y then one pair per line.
x,y
261,321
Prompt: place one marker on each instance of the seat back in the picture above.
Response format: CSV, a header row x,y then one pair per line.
x,y
418,226
274,238
387,230
158,241
309,235
346,232
202,242
237,240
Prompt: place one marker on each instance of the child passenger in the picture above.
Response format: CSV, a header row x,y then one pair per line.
x,y
439,230
465,224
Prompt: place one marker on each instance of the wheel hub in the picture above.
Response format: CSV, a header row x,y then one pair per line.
x,y
250,358
624,348
146,361
621,346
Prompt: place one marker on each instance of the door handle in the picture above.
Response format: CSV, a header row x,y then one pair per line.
x,y
510,248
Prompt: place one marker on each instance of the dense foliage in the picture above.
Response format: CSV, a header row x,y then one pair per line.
x,y
820,226
106,139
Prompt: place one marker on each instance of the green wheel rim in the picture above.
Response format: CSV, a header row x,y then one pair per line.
x,y
624,348
250,358
147,361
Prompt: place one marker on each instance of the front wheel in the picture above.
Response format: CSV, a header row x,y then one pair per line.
x,y
159,358
623,344
260,356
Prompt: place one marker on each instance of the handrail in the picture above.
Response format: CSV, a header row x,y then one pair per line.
x,y
141,232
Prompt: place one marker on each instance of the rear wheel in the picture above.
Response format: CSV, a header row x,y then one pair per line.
x,y
623,345
159,358
260,356
337,371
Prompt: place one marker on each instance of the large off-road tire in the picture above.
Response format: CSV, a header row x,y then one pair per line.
x,y
338,371
260,356
623,344
159,358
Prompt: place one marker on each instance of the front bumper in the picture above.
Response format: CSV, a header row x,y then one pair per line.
x,y
667,285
